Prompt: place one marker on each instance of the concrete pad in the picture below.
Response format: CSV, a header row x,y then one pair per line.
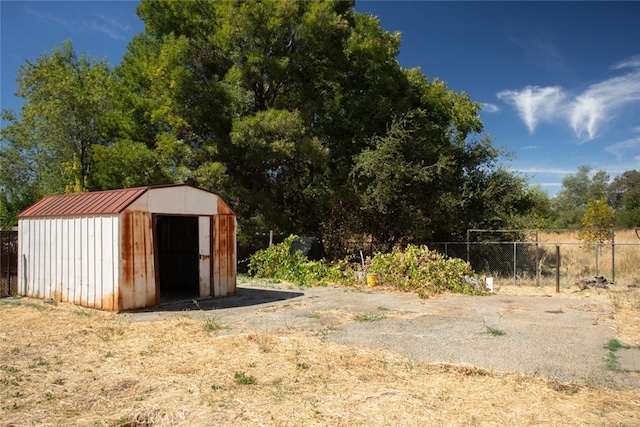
x,y
629,359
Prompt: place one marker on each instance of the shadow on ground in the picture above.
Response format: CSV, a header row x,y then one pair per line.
x,y
244,297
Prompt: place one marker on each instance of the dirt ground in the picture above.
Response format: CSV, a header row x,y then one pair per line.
x,y
326,356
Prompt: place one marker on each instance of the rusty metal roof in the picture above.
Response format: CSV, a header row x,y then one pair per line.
x,y
94,203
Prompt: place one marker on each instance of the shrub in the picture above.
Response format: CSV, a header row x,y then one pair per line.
x,y
278,262
414,269
427,272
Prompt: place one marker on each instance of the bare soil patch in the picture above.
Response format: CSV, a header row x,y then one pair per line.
x,y
322,356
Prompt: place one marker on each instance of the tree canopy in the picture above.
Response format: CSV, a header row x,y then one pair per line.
x,y
298,113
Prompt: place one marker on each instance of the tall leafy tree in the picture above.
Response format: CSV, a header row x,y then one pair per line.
x,y
624,195
48,147
300,114
297,112
577,190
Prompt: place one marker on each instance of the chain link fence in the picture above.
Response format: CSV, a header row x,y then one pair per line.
x,y
548,263
543,257
8,262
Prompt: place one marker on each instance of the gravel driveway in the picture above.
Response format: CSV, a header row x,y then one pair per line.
x,y
550,336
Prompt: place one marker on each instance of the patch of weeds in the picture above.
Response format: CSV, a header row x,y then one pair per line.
x,y
303,366
252,364
282,393
629,299
39,362
10,406
493,331
383,308
5,382
140,398
570,388
558,311
611,359
314,315
243,379
108,332
368,317
217,387
615,345
59,381
265,342
17,394
313,401
82,313
212,324
9,369
35,306
125,422
109,354
322,333
5,303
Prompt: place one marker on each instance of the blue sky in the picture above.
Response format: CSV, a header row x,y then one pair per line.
x,y
559,81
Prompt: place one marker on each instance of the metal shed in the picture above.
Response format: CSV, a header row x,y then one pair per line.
x,y
125,249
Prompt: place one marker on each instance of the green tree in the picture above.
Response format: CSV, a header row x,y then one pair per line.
x,y
287,108
597,221
577,190
47,148
297,112
317,67
624,194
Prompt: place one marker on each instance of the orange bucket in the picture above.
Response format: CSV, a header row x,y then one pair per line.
x,y
372,279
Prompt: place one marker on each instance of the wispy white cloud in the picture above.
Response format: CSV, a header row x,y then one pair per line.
x,y
531,147
545,171
490,108
535,104
619,148
109,26
623,147
584,113
102,23
48,18
539,50
631,62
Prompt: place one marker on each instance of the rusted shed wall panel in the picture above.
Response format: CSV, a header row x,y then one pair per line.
x,y
69,259
224,255
232,262
137,279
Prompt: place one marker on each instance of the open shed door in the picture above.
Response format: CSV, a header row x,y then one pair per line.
x,y
178,256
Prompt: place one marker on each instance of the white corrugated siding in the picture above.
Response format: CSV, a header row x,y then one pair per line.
x,y
204,244
72,259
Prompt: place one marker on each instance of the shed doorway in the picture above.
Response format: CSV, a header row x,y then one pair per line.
x,y
178,260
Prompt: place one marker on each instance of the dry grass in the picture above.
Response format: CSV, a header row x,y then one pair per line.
x,y
61,365
578,259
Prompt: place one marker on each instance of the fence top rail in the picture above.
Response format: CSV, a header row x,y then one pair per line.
x,y
545,230
532,243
